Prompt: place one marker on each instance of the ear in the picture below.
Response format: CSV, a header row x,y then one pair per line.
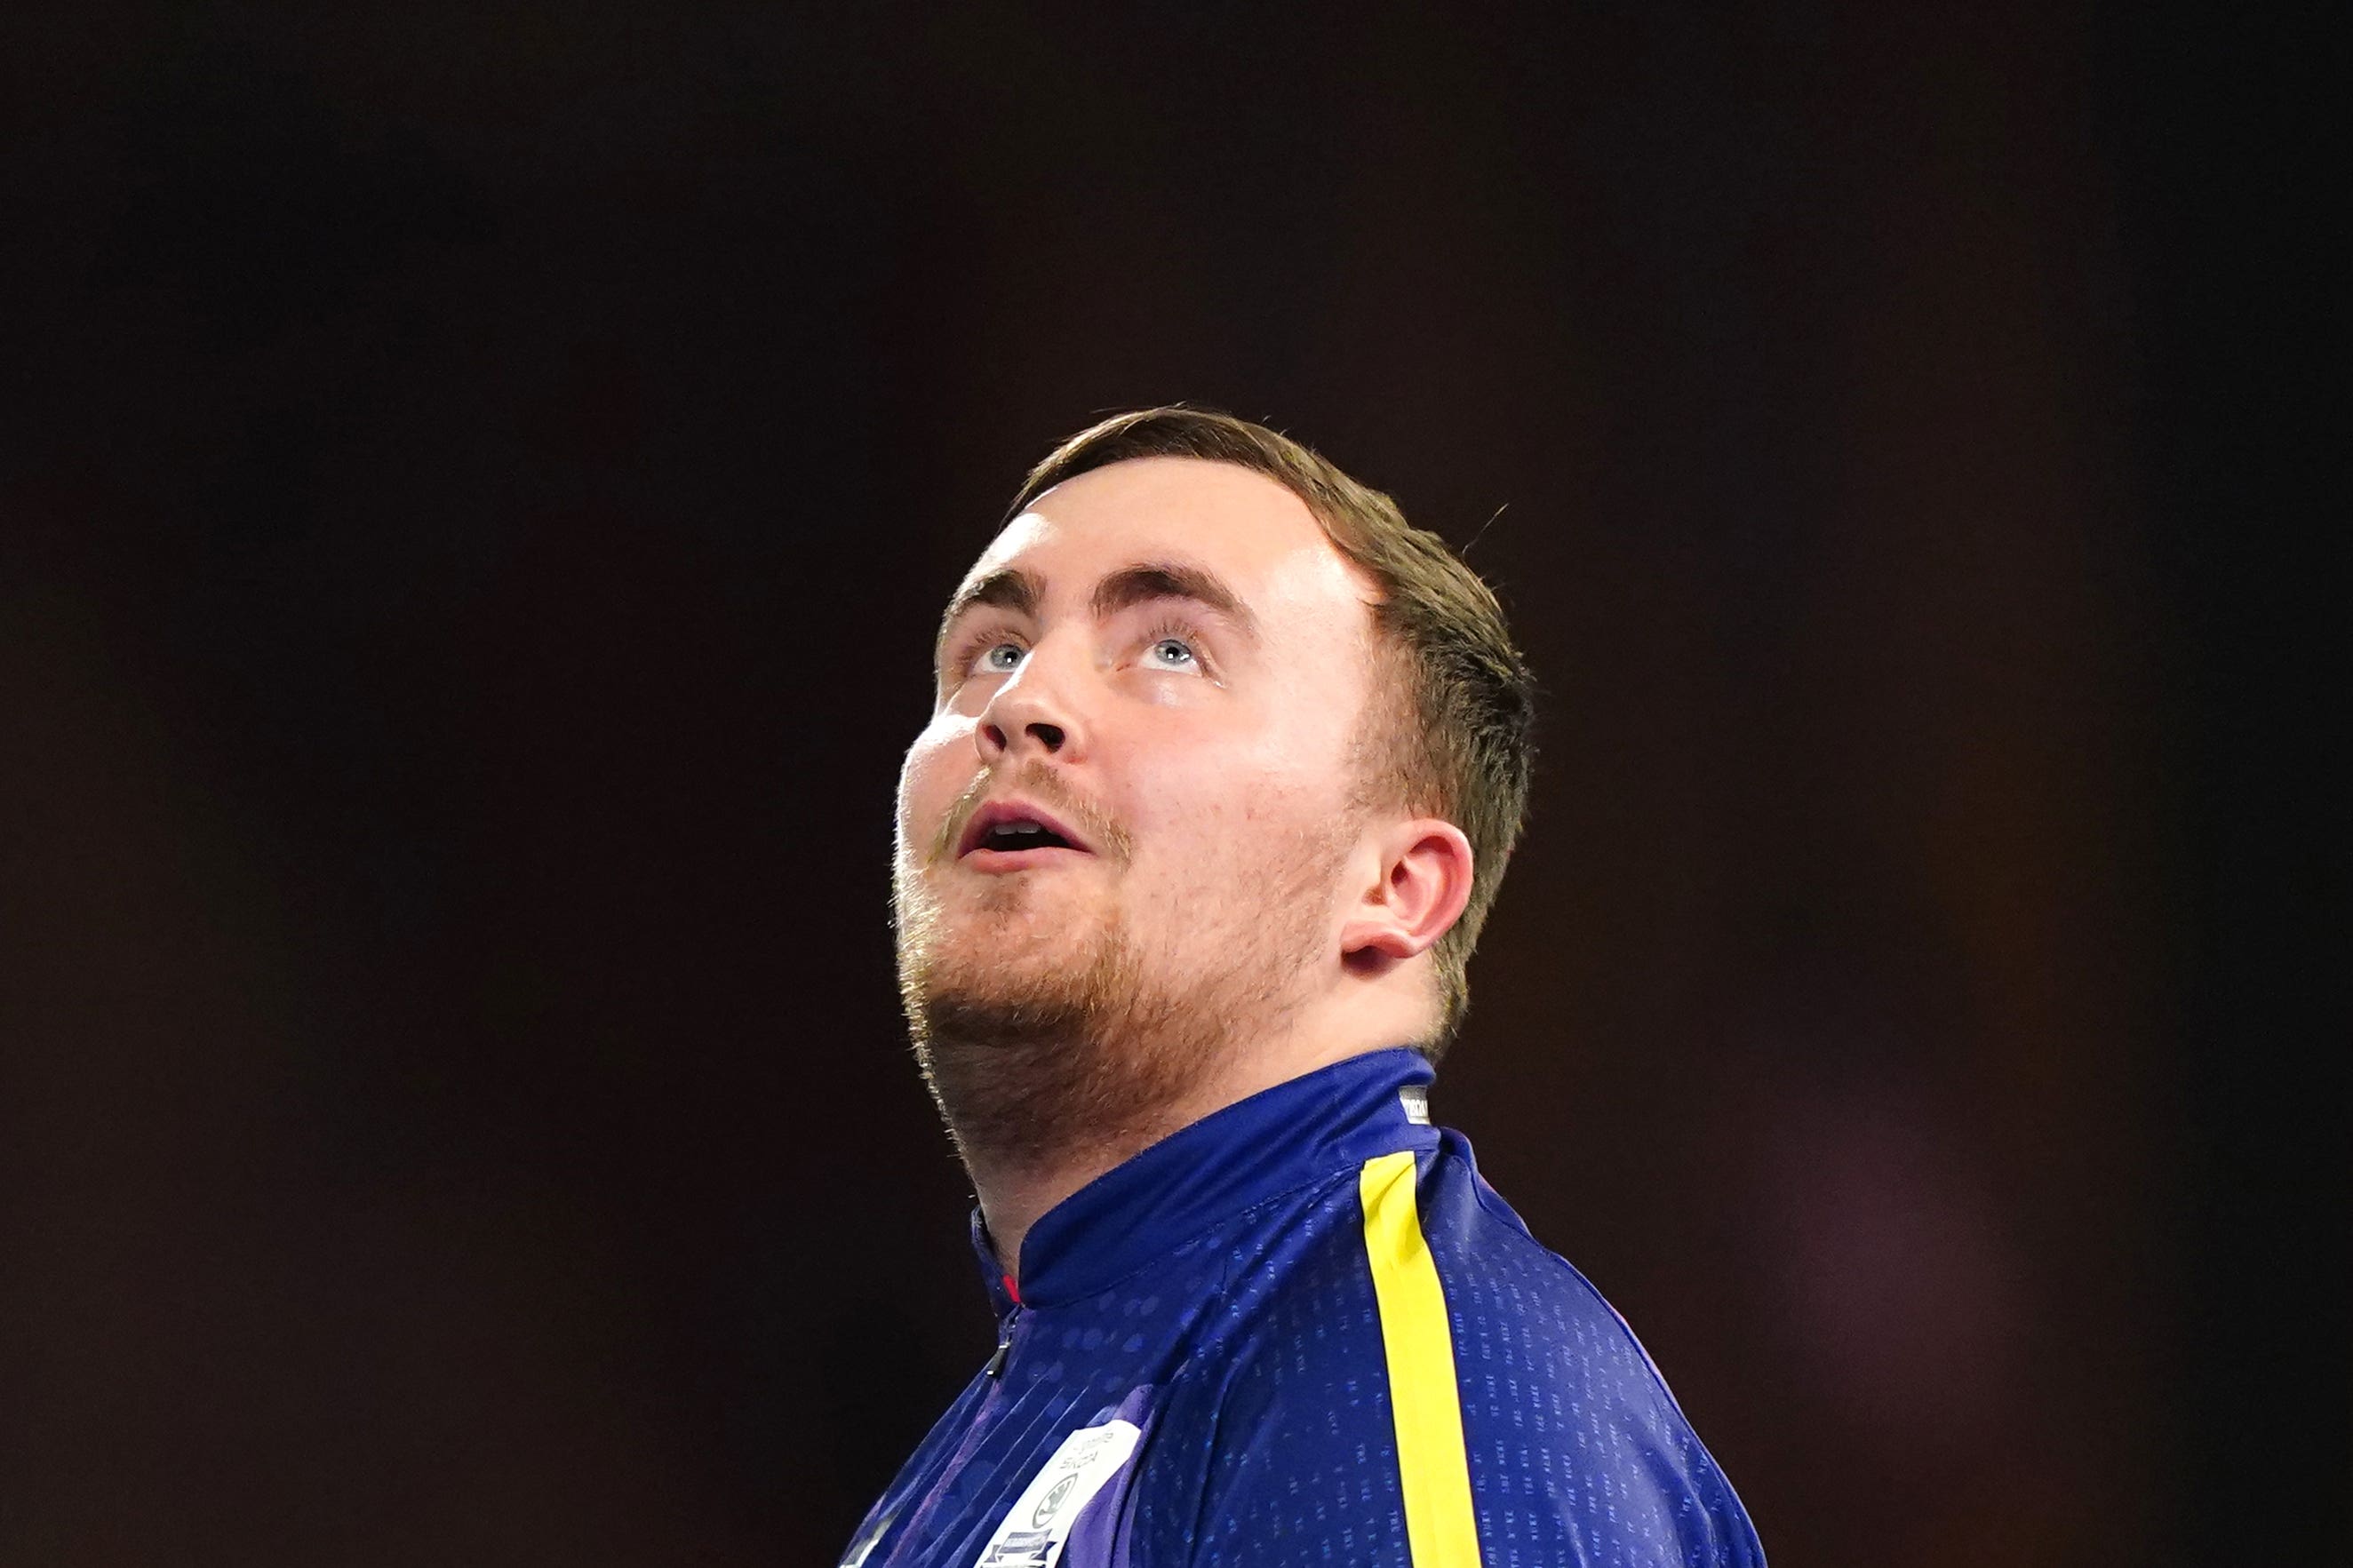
x,y
1424,881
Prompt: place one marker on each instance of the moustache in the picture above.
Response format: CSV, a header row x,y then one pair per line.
x,y
1041,784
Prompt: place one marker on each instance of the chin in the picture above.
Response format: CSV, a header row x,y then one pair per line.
x,y
1014,943
1000,925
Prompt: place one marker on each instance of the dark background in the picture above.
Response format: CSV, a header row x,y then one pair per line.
x,y
477,491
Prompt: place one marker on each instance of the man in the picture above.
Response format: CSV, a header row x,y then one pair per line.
x,y
1224,766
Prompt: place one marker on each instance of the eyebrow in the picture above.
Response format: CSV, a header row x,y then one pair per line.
x,y
1141,584
1020,592
1010,589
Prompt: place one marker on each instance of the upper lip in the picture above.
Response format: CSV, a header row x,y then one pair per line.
x,y
1014,809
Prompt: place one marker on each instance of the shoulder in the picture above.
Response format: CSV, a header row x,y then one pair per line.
x,y
1519,1312
1487,1374
1571,1433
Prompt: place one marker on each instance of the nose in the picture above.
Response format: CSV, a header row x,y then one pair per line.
x,y
1029,713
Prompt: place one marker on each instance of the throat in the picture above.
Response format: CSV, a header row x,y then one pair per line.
x,y
1028,1096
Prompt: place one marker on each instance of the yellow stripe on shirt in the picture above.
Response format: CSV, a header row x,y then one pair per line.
x,y
1432,1461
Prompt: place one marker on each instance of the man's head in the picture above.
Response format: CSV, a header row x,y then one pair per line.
x,y
1281,738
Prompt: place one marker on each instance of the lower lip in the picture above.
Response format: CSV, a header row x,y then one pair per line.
x,y
999,860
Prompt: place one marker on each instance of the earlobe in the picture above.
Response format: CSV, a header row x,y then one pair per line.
x,y
1425,882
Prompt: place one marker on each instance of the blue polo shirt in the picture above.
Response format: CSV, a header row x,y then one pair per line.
x,y
1304,1331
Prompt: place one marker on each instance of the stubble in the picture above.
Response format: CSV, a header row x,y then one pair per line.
x,y
1037,1057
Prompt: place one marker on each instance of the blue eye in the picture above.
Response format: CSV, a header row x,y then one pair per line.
x,y
1173,653
1001,658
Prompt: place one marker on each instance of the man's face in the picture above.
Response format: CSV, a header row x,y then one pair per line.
x,y
1163,665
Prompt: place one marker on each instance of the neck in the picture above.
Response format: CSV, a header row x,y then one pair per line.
x,y
1018,1179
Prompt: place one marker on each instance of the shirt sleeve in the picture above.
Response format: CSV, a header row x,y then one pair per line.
x,y
1313,1478
1430,1387
1576,1452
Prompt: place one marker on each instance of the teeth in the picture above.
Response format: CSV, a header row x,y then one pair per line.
x,y
1020,832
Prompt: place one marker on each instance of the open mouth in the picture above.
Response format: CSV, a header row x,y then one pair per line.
x,y
1022,835
1009,827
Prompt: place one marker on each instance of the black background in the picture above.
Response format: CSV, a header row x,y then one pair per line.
x,y
477,491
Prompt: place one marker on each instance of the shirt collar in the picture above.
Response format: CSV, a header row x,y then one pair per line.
x,y
1254,1148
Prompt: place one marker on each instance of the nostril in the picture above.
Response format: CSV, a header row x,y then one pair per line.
x,y
994,736
1048,735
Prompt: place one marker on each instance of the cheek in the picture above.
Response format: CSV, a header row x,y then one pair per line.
x,y
939,765
1217,802
1265,763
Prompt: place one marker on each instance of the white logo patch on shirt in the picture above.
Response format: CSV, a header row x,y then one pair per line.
x,y
1035,1528
1415,1097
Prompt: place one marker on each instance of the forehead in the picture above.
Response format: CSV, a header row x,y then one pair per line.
x,y
1255,535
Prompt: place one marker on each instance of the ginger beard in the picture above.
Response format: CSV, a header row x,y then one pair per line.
x,y
1048,1018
